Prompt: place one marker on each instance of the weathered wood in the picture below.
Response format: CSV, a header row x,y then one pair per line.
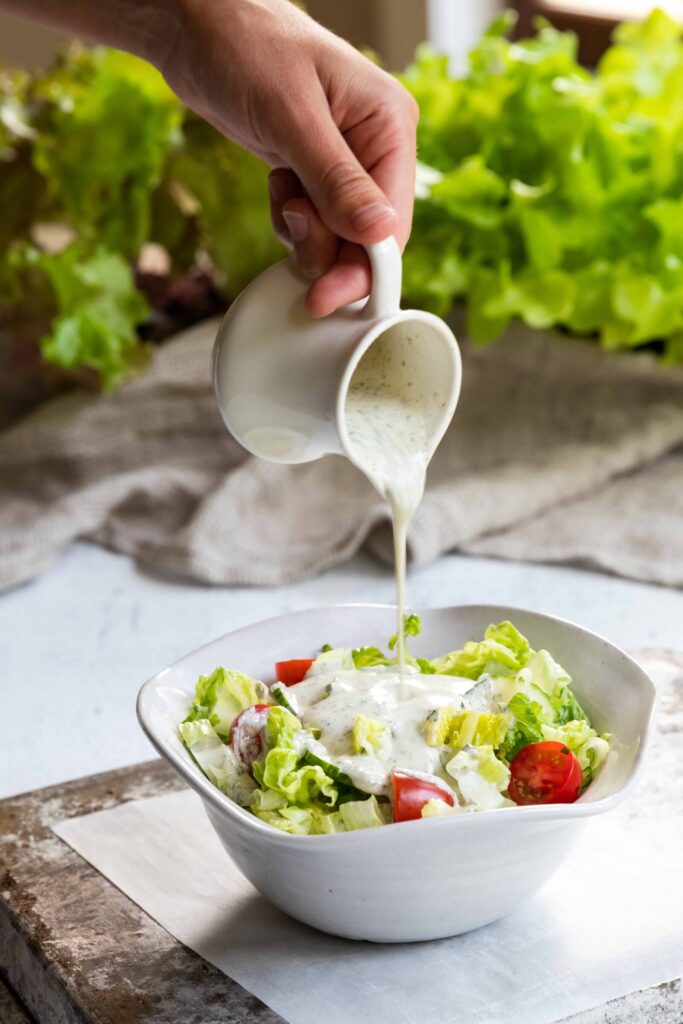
x,y
77,951
660,1005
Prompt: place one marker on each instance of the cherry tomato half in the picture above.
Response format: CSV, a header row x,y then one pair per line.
x,y
411,793
291,672
246,733
545,773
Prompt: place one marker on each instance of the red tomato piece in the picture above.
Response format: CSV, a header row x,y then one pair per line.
x,y
545,773
246,733
411,793
293,671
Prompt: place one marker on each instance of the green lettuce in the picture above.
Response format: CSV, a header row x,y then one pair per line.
x,y
368,657
217,760
527,727
283,769
94,306
437,809
502,650
457,729
106,129
481,777
300,783
357,814
369,736
412,626
222,695
552,194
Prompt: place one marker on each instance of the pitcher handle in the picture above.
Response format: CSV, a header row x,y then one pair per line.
x,y
387,268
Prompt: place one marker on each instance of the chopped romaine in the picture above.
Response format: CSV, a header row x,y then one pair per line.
x,y
490,725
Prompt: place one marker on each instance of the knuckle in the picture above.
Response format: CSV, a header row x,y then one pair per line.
x,y
343,183
412,107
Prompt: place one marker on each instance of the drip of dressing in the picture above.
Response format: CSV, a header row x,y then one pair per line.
x,y
387,427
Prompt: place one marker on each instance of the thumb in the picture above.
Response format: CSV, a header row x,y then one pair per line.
x,y
348,201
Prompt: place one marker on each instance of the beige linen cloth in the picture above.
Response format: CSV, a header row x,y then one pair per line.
x,y
558,452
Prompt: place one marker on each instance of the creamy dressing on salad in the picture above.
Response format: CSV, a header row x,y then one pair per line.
x,y
330,702
388,431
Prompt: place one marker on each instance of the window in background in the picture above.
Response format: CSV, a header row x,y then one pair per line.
x,y
454,28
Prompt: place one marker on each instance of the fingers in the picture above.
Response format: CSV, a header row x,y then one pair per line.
x,y
348,280
298,225
347,199
338,202
283,185
315,246
394,170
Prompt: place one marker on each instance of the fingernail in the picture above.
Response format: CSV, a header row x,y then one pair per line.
x,y
297,224
366,216
277,188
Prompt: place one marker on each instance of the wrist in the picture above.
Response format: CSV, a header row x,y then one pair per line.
x,y
151,29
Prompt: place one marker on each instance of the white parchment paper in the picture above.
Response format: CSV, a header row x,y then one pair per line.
x,y
610,922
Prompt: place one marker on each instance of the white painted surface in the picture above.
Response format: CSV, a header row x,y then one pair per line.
x,y
76,644
453,26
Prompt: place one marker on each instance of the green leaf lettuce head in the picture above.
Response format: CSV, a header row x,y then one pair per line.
x,y
96,308
552,194
100,146
544,193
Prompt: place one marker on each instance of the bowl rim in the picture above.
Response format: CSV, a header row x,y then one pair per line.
x,y
195,778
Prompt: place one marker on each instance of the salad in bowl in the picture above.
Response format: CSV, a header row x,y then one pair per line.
x,y
348,741
276,780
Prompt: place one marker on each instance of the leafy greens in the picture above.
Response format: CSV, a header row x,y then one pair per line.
x,y
550,193
544,192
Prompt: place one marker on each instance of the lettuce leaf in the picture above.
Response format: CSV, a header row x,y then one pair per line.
x,y
412,626
217,760
105,132
503,649
369,736
437,809
368,657
550,193
357,814
480,776
458,729
281,727
222,695
91,299
300,783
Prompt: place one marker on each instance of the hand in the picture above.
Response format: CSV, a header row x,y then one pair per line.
x,y
339,130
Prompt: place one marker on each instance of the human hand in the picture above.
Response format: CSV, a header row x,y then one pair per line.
x,y
339,131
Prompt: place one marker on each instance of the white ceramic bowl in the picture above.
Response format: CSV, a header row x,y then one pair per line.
x,y
420,879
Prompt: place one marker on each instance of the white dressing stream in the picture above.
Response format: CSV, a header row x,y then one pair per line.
x,y
387,421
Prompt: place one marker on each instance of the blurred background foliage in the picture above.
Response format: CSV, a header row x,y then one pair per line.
x,y
545,192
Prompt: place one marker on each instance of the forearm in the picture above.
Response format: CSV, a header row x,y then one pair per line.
x,y
147,28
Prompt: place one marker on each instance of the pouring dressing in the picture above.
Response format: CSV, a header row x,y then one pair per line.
x,y
371,381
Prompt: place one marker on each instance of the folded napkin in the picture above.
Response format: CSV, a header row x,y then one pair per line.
x,y
558,452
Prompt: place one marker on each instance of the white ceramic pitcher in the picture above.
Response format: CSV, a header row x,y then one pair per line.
x,y
282,376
